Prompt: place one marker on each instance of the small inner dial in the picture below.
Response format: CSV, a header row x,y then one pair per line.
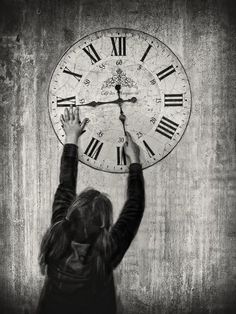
x,y
116,85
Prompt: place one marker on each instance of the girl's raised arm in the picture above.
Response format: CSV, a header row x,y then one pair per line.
x,y
66,190
124,230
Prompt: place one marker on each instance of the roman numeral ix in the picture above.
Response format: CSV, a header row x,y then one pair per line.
x,y
66,102
167,127
94,148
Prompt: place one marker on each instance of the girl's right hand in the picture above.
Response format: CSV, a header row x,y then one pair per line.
x,y
131,149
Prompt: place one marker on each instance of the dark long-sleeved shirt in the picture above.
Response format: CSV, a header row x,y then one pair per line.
x,y
70,292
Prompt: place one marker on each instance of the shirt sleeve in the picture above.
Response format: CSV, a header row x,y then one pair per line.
x,y
66,190
125,229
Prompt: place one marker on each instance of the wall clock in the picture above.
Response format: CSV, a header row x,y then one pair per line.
x,y
122,79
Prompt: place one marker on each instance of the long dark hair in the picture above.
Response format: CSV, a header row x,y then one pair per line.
x,y
88,220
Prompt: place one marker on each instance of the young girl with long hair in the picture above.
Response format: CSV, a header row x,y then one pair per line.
x,y
82,246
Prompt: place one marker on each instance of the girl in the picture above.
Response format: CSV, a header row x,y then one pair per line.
x,y
81,248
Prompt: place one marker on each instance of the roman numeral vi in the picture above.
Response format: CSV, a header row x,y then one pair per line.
x,y
121,157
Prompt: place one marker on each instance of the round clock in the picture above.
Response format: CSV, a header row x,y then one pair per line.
x,y
122,80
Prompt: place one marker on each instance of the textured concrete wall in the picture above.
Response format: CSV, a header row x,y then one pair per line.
x,y
183,258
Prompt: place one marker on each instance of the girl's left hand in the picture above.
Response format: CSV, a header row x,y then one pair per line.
x,y
71,124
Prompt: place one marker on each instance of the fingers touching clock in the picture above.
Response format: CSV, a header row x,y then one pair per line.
x,y
77,114
83,123
132,150
66,115
77,118
71,113
62,118
71,124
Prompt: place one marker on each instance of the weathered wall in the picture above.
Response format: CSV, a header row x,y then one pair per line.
x,y
183,258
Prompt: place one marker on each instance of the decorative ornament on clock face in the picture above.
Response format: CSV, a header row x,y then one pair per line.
x,y
122,80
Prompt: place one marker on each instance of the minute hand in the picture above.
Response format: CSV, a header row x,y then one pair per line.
x,y
117,101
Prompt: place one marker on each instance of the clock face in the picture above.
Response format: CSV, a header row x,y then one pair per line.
x,y
118,73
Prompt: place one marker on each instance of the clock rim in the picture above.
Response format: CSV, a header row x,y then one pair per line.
x,y
137,31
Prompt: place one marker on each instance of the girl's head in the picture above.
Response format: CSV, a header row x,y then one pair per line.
x,y
89,215
88,220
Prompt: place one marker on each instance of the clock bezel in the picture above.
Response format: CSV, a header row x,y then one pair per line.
x,y
120,30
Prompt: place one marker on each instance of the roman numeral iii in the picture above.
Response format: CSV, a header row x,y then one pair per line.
x,y
66,102
167,127
119,46
166,72
121,157
94,148
92,53
171,100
